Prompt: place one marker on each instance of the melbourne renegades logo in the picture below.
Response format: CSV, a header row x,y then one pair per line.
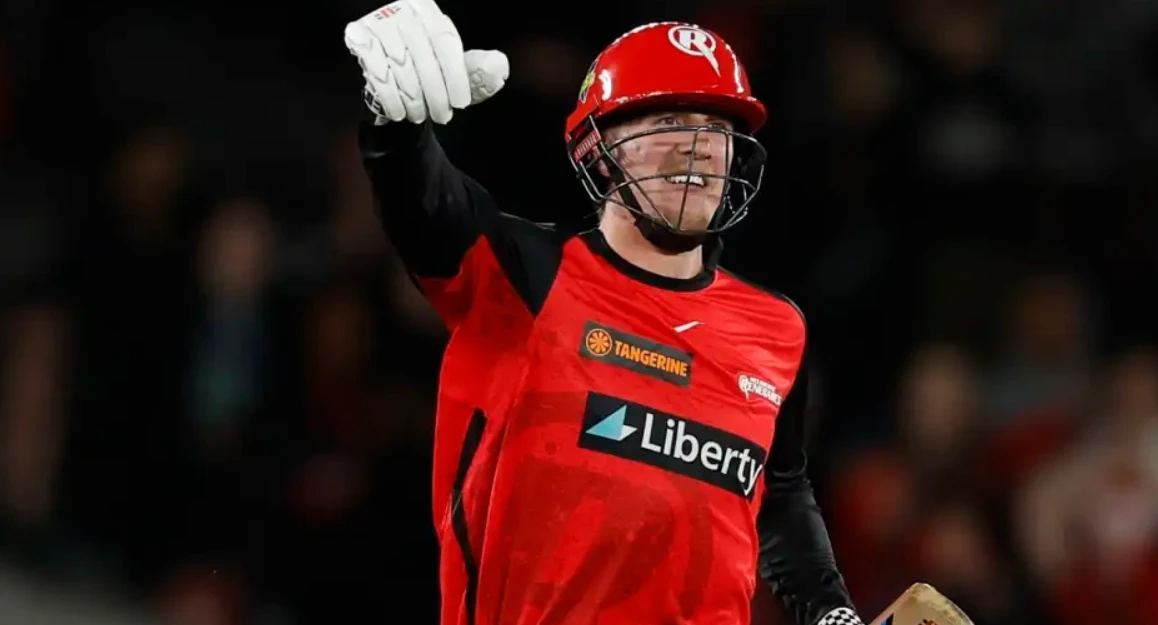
x,y
751,385
695,41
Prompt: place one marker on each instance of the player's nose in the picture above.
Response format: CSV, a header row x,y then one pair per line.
x,y
700,145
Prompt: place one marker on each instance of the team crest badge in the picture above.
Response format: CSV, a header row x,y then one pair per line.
x,y
588,81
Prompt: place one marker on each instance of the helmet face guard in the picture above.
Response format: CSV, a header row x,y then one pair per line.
x,y
743,172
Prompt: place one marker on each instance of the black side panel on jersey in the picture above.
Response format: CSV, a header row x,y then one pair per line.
x,y
470,445
796,556
433,213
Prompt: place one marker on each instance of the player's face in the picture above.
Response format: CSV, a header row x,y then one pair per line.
x,y
680,171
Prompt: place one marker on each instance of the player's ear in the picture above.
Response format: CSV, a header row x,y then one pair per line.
x,y
610,137
605,164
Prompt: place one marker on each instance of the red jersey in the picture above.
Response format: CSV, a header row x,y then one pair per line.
x,y
612,447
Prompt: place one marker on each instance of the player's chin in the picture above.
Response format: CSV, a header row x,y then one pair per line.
x,y
695,218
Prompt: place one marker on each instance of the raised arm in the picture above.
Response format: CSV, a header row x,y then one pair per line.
x,y
445,226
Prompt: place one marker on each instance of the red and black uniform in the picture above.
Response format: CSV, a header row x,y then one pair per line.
x,y
612,447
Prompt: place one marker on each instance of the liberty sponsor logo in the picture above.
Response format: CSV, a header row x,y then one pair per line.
x,y
636,353
678,444
751,385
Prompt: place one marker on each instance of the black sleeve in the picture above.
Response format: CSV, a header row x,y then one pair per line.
x,y
796,556
434,214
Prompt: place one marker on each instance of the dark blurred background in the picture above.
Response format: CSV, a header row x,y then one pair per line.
x,y
216,387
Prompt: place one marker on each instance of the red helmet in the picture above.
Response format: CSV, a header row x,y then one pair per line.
x,y
667,64
657,66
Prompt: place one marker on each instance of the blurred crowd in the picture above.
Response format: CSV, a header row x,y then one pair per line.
x,y
216,385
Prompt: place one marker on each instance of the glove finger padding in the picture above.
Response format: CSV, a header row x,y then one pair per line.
x,y
420,55
447,46
390,75
385,101
426,7
360,42
406,84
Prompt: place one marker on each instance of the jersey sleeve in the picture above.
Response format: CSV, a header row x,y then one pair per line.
x,y
796,557
446,228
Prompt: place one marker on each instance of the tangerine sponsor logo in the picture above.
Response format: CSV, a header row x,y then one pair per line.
x,y
601,342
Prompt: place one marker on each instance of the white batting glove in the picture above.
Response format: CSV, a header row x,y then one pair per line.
x,y
415,68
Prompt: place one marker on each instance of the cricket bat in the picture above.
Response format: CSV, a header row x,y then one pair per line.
x,y
921,604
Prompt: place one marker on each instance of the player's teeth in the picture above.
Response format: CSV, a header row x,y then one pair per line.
x,y
687,179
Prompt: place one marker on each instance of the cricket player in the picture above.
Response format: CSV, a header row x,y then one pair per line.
x,y
619,426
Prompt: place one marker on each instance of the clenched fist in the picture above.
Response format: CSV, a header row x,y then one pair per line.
x,y
415,68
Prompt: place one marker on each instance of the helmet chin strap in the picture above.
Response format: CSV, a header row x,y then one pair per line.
x,y
654,232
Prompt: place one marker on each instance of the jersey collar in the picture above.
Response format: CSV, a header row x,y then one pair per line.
x,y
597,243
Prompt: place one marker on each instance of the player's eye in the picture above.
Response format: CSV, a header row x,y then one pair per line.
x,y
667,120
